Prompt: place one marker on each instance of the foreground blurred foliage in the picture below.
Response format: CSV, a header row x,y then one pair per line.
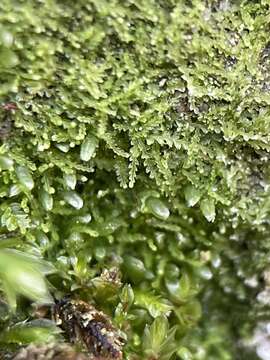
x,y
134,170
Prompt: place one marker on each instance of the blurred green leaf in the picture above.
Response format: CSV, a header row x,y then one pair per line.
x,y
189,313
8,58
6,163
181,290
35,331
22,274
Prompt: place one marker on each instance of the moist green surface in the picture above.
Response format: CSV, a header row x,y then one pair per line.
x,y
135,137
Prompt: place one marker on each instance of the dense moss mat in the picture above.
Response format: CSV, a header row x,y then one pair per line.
x,y
135,141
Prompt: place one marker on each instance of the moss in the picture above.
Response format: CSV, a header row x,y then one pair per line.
x,y
135,136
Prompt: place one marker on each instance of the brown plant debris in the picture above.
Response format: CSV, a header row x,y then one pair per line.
x,y
49,352
85,324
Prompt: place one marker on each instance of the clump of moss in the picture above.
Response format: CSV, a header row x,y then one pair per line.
x,y
135,142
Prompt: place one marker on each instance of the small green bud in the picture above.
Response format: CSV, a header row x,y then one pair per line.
x,y
88,148
208,209
134,268
73,199
158,208
70,181
127,296
25,178
46,200
192,195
